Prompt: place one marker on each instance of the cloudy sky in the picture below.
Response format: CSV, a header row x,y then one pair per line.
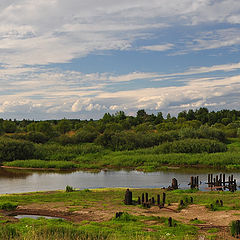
x,y
82,58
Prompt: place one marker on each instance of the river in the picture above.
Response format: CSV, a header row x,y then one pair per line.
x,y
18,181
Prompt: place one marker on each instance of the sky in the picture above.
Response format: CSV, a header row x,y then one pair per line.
x,y
83,58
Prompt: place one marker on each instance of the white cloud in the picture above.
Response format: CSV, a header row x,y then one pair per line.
x,y
158,48
76,94
132,76
57,31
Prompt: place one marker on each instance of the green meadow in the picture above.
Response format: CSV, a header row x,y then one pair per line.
x,y
136,222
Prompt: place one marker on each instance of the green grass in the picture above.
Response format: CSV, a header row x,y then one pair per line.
x,y
91,156
42,164
136,229
128,226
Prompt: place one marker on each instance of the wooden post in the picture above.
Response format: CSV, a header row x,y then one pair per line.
x,y
158,199
170,222
128,197
153,201
229,182
224,179
181,203
146,194
191,199
143,198
209,180
197,183
119,214
221,202
234,185
238,227
139,201
192,182
174,183
164,198
217,181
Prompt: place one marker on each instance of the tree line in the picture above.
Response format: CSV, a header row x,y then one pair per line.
x,y
121,132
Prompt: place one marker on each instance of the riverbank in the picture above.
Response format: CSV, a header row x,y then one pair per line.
x,y
144,160
90,214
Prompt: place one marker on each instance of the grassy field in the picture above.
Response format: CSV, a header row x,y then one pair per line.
x,y
90,214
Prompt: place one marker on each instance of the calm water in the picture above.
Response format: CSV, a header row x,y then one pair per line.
x,y
16,181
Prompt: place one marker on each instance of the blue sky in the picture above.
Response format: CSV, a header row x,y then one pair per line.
x,y
80,59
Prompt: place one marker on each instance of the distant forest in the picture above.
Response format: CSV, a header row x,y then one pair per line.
x,y
119,131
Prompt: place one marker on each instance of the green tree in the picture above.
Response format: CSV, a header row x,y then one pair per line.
x,y
9,126
64,126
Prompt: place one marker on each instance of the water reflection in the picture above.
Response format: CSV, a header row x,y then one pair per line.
x,y
16,181
11,173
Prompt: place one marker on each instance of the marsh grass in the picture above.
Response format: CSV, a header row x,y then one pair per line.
x,y
92,156
62,165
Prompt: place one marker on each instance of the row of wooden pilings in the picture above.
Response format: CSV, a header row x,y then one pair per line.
x,y
145,200
221,183
194,183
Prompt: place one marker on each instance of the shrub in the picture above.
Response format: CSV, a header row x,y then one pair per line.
x,y
85,136
11,149
235,228
8,206
69,189
193,146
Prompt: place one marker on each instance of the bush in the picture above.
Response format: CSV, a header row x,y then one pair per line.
x,y
193,146
69,189
8,206
11,149
36,137
235,228
85,136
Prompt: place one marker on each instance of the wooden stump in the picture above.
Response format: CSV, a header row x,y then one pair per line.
x,y
128,197
146,194
170,222
164,198
143,198
174,183
158,199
